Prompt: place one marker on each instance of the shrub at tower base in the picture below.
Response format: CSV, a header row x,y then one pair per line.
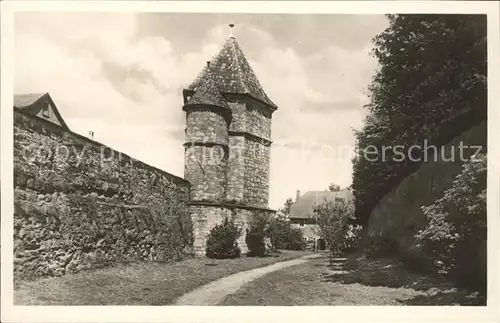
x,y
221,242
255,237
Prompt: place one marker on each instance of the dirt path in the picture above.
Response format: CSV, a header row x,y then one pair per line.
x,y
216,291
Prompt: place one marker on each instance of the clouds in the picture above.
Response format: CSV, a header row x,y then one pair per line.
x,y
105,79
122,75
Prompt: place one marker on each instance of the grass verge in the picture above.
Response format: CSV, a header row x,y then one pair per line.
x,y
136,284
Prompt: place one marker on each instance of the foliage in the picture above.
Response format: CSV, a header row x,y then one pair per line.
x,y
279,232
427,88
352,237
296,241
333,187
333,220
285,210
456,232
381,246
221,242
256,235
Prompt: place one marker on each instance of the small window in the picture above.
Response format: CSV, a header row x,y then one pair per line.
x,y
301,223
45,111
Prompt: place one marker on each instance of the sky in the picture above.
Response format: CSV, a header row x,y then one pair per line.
x,y
121,76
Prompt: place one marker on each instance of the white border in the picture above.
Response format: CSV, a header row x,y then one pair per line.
x,y
263,314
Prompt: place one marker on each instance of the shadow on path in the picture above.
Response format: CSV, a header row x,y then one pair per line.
x,y
388,272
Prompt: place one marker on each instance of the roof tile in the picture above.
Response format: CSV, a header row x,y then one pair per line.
x,y
233,73
27,100
208,94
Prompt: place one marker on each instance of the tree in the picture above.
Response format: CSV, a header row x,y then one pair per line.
x,y
288,206
332,218
427,88
333,187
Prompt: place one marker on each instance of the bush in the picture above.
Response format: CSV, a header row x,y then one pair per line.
x,y
221,243
352,239
255,237
455,236
279,232
381,246
296,239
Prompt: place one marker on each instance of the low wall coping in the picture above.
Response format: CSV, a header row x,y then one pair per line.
x,y
231,205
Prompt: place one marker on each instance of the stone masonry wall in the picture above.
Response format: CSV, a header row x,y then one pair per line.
x,y
206,126
256,173
236,169
398,215
248,164
205,168
238,121
81,205
250,119
205,163
258,124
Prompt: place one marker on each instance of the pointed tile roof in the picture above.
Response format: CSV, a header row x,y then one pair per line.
x,y
208,93
233,74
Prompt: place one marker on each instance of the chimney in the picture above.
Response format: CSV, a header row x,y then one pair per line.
x,y
297,198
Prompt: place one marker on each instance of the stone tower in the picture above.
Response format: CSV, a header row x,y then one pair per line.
x,y
227,147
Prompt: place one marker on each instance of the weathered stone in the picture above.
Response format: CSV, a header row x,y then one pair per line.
x,y
56,224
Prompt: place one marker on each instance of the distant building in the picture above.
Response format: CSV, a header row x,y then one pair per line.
x,y
41,106
302,214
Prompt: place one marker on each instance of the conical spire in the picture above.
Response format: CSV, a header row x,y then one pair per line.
x,y
208,93
233,74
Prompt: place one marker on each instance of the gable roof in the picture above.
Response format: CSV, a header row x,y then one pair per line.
x,y
304,207
27,100
208,94
233,74
29,104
